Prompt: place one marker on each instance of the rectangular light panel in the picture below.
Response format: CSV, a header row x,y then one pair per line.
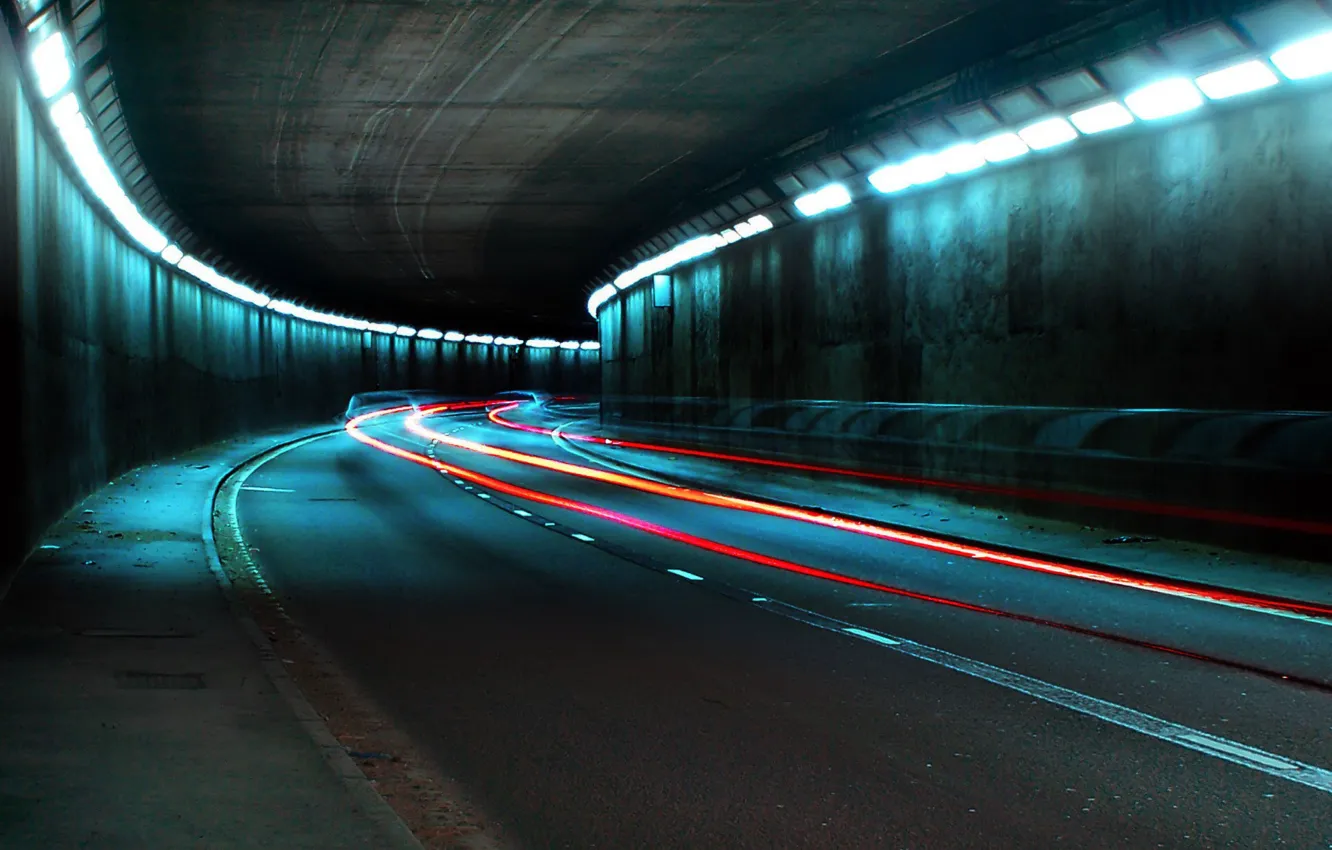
x,y
1164,99
1002,147
1236,80
1098,119
1050,133
1302,60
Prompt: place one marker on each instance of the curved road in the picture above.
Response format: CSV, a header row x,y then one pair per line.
x,y
590,697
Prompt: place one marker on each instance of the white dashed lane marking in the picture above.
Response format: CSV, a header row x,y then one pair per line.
x,y
1179,735
686,575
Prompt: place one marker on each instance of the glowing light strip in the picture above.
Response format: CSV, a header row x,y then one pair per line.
x,y
871,529
353,428
1306,59
53,70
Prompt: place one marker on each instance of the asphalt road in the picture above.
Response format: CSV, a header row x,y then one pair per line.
x,y
590,698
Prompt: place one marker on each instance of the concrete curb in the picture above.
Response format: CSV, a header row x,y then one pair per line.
x,y
396,833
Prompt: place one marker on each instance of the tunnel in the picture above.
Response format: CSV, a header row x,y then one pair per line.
x,y
499,424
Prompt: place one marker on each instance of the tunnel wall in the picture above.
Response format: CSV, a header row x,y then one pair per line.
x,y
1188,266
114,359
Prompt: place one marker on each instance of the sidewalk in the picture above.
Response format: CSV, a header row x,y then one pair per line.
x,y
142,709
936,513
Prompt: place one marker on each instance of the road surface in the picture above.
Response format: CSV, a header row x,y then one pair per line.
x,y
556,666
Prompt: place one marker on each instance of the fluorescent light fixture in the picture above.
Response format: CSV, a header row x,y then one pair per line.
x,y
382,328
77,137
1048,133
405,330
590,346
923,169
482,339
453,336
1164,98
1311,57
542,343
1110,115
961,158
732,236
890,179
744,230
831,197
51,63
346,322
1002,147
287,308
172,254
569,346
210,277
681,253
601,296
508,340
760,223
1236,80
66,111
429,333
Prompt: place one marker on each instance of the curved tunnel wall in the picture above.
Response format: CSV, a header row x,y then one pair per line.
x,y
1189,267
114,359
1185,267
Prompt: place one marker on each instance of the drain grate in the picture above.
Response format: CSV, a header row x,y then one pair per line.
x,y
145,681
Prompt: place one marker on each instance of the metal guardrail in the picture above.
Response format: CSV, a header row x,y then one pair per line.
x,y
1291,440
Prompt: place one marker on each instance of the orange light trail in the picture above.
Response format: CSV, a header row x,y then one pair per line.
x,y
1263,603
353,428
1065,497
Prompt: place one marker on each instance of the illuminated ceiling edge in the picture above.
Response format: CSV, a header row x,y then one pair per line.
x,y
1164,88
51,71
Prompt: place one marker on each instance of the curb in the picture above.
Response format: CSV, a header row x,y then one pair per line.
x,y
396,833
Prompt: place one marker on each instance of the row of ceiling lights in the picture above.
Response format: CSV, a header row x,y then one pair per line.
x,y
53,69
682,253
1301,59
1162,99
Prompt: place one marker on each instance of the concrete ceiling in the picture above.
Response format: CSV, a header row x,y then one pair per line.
x,y
469,163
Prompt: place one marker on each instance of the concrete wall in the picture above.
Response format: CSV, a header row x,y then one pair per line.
x,y
1188,266
112,360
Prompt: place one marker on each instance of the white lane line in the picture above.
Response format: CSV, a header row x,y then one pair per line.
x,y
255,489
583,537
1207,744
521,513
1241,751
50,546
871,636
483,495
1163,730
1119,715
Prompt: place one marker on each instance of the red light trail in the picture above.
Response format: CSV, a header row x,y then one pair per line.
x,y
353,428
1267,604
1084,499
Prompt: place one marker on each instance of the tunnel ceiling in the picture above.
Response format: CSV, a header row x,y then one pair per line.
x,y
469,162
